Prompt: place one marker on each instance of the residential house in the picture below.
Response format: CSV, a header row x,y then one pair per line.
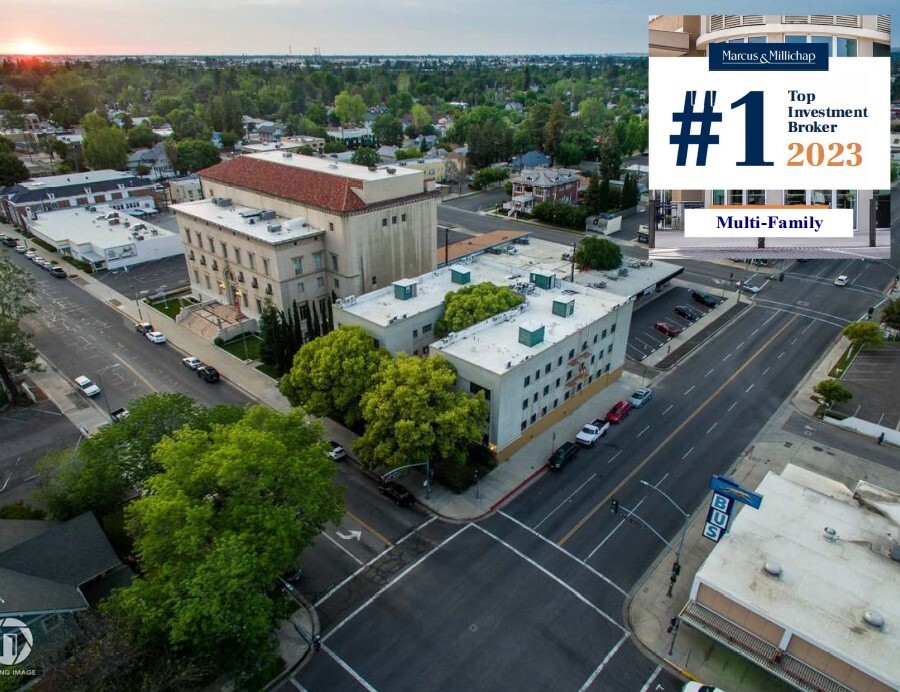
x,y
531,159
535,185
155,160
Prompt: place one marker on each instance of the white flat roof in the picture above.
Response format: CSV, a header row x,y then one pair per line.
x,y
52,181
80,227
237,218
333,167
825,586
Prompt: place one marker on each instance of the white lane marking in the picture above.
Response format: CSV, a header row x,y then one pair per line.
x,y
297,685
610,534
749,388
590,680
550,574
726,357
564,552
710,372
689,390
774,315
687,452
712,427
343,664
352,556
643,431
794,341
739,345
332,591
780,355
668,409
365,604
661,480
651,679
575,492
611,459
766,370
803,331
753,333
732,406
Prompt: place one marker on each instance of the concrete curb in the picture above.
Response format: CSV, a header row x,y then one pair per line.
x,y
315,628
525,481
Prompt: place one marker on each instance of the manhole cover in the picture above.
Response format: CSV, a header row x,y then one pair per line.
x,y
473,628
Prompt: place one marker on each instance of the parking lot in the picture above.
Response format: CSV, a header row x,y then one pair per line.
x,y
644,338
871,377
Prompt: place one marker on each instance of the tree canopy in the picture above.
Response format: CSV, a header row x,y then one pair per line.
x,y
863,333
12,170
195,155
17,353
890,313
414,413
349,108
598,253
833,391
387,130
231,510
330,374
365,156
105,147
472,304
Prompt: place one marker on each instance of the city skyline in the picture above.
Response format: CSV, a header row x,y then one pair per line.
x,y
348,27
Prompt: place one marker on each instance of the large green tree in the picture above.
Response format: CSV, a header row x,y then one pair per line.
x,y
490,142
415,413
12,170
833,391
231,511
387,130
863,333
420,116
365,156
195,155
106,147
349,108
332,373
17,353
142,136
553,129
890,313
472,304
598,253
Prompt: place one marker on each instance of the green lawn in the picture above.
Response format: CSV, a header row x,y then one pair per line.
x,y
245,347
172,306
267,370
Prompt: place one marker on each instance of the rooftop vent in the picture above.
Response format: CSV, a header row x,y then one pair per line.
x,y
333,166
830,534
224,201
391,170
287,155
267,214
404,289
274,228
873,618
772,568
564,307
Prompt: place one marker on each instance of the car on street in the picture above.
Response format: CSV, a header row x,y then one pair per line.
x,y
842,280
119,414
57,271
156,337
21,249
750,287
143,327
336,452
30,254
396,492
706,299
86,387
700,687
619,411
667,328
208,373
10,242
192,362
641,397
562,456
37,259
688,313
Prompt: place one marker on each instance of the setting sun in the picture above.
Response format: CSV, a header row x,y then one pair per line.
x,y
26,46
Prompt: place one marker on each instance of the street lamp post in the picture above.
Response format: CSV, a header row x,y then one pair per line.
x,y
686,516
114,366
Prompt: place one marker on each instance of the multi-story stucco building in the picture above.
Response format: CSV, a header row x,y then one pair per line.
x,y
284,227
847,36
535,363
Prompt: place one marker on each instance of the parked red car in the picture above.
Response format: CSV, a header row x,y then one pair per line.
x,y
618,412
668,328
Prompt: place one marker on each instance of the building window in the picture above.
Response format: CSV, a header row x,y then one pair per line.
x,y
595,338
524,425
533,418
187,235
578,388
566,397
415,333
251,259
571,353
196,277
546,389
208,285
426,329
609,349
537,375
384,222
393,219
304,310
593,358
527,380
334,262
374,281
603,335
403,216
846,47
320,281
300,287
612,330
559,362
524,404
606,369
330,225
317,260
543,411
337,283
535,398
584,346
212,246
245,299
265,266
224,250
298,265
558,380
237,255
569,375
547,369
555,403
258,306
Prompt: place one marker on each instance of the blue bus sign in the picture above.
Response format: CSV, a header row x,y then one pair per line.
x,y
729,488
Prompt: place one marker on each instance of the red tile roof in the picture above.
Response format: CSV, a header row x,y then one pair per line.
x,y
290,182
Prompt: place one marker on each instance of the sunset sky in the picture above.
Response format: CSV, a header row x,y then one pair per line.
x,y
99,27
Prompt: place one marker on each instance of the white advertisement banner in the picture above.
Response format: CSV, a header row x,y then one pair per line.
x,y
768,222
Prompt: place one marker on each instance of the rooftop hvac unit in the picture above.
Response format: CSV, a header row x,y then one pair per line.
x,y
266,215
274,228
113,222
287,155
252,220
223,201
391,170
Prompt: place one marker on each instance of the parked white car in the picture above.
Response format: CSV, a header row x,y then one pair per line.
x,y
86,387
192,362
156,337
842,280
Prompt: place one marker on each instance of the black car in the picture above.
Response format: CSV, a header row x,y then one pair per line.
x,y
396,492
562,456
208,373
9,242
688,312
143,327
705,299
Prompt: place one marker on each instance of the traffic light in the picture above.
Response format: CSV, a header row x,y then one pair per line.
x,y
676,569
871,311
614,506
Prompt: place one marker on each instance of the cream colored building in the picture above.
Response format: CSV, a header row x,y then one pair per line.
x,y
185,189
283,227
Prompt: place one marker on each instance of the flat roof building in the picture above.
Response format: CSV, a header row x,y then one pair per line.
x,y
808,585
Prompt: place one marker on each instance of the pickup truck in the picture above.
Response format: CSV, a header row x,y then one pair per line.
x,y
591,432
119,414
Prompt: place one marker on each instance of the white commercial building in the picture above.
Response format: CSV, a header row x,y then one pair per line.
x,y
535,363
107,238
808,585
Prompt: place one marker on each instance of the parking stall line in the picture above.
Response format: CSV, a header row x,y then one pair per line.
x,y
747,391
550,574
575,492
726,357
731,407
712,427
565,552
711,370
346,666
590,680
766,370
365,604
343,582
651,679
